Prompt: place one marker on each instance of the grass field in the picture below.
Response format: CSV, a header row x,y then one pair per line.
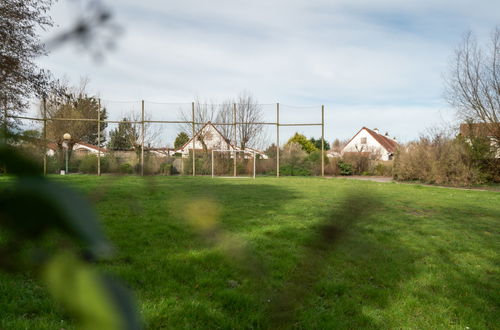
x,y
292,252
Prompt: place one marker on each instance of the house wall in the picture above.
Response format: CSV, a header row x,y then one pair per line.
x,y
371,145
212,139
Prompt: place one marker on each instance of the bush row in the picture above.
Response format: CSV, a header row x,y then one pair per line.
x,y
450,161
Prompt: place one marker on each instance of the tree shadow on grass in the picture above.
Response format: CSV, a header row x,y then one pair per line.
x,y
286,303
346,272
352,272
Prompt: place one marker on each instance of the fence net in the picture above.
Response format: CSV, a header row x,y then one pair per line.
x,y
151,138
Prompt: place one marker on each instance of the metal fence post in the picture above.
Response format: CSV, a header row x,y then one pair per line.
x,y
277,140
234,137
142,142
323,140
99,138
193,139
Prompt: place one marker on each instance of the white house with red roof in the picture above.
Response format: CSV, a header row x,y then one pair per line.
x,y
79,147
371,142
210,138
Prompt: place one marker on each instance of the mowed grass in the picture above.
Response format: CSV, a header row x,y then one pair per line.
x,y
305,253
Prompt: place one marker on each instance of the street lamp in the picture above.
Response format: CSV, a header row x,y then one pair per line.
x,y
66,138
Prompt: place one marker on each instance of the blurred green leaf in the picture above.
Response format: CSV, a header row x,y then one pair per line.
x,y
98,303
17,164
33,205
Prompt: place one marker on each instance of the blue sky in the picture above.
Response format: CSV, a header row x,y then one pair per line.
x,y
371,63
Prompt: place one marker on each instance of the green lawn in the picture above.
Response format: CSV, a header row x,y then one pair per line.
x,y
306,253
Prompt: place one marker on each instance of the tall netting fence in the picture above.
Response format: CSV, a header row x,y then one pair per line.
x,y
301,131
101,136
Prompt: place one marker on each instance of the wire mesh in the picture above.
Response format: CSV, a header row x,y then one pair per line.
x,y
157,125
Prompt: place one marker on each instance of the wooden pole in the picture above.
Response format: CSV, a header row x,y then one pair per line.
x,y
194,163
44,105
277,140
254,159
142,142
234,138
323,140
99,139
212,163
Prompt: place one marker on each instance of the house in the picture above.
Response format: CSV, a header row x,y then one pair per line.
x,y
160,152
489,131
79,148
210,138
371,143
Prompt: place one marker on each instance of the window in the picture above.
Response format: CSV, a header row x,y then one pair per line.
x,y
363,140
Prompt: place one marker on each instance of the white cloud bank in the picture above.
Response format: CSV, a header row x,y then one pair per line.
x,y
372,63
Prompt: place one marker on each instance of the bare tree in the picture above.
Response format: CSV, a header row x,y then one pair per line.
x,y
473,83
249,115
152,132
225,116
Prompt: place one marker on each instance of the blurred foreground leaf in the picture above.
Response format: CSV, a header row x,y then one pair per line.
x,y
32,206
98,302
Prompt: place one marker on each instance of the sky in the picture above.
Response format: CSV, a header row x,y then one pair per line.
x,y
370,63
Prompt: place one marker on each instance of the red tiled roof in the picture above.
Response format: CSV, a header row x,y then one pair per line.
x,y
389,144
88,145
52,146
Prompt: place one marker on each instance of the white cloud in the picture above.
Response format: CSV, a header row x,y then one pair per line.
x,y
377,63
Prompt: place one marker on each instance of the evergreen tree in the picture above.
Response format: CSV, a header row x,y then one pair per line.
x,y
125,136
180,140
317,143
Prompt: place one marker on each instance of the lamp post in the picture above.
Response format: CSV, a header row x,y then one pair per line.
x,y
66,138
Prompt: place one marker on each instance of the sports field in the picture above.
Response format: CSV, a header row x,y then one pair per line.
x,y
305,253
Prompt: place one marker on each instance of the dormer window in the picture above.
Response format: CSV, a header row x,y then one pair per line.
x,y
363,140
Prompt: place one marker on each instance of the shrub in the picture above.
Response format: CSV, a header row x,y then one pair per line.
x,y
313,162
382,168
266,166
442,160
88,164
53,166
293,160
166,169
73,164
331,167
125,168
294,170
359,163
345,168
